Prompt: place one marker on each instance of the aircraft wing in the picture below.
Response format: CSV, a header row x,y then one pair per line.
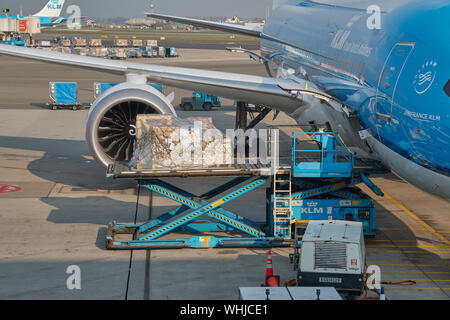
x,y
234,28
281,94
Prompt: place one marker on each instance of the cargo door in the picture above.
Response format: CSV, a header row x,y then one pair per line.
x,y
389,77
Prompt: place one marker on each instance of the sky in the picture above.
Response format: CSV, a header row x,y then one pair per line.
x,y
136,8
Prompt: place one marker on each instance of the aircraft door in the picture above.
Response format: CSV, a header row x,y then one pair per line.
x,y
389,77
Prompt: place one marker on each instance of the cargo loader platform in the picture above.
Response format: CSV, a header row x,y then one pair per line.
x,y
291,186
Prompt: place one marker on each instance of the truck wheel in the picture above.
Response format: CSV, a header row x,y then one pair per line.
x,y
207,106
187,106
54,107
74,108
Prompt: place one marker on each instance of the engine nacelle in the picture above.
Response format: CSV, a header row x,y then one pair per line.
x,y
111,123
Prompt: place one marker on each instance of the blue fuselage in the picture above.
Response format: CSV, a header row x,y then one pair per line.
x,y
394,75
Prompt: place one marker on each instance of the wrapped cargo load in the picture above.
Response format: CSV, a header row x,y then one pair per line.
x,y
80,51
137,43
117,53
98,52
165,142
95,42
61,49
151,43
79,42
65,43
121,42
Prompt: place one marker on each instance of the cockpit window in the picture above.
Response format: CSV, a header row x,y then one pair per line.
x,y
447,88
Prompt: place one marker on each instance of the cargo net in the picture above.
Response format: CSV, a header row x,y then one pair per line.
x,y
166,142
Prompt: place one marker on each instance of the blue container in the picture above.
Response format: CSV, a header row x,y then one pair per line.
x,y
64,92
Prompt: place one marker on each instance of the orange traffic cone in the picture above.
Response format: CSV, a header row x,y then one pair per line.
x,y
271,280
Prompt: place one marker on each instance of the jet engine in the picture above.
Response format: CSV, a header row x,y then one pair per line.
x,y
111,123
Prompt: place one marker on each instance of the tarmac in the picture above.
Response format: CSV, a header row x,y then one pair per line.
x,y
56,202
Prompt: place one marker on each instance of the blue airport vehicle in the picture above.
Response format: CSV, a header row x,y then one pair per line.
x,y
170,52
322,155
155,51
101,87
320,186
63,95
148,235
200,100
348,204
291,202
16,41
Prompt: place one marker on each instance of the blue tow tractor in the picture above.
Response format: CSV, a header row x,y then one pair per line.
x,y
317,183
64,95
200,100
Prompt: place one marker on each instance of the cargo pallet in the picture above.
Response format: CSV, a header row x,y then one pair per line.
x,y
63,95
284,200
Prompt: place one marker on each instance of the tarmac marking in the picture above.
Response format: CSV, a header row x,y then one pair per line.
x,y
387,240
406,246
416,280
403,251
414,288
425,272
416,218
412,265
400,229
8,188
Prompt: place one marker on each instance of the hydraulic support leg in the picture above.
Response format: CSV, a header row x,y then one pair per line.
x,y
203,208
208,208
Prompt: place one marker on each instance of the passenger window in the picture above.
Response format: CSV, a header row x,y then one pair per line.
x,y
447,88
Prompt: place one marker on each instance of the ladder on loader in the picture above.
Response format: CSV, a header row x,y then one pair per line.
x,y
282,207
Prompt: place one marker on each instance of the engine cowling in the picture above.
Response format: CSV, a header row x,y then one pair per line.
x,y
111,123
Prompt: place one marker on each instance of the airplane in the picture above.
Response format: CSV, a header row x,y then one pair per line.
x,y
383,88
49,15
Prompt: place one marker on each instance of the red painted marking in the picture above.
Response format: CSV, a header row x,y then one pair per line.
x,y
6,188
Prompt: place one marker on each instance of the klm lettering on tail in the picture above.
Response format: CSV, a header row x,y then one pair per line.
x,y
54,6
